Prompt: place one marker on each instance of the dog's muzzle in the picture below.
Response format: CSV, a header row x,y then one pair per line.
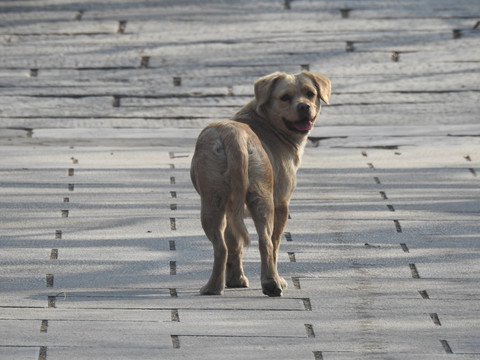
x,y
305,124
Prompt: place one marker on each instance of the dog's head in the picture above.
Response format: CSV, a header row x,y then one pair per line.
x,y
292,102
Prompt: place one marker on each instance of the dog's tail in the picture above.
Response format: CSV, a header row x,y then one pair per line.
x,y
236,151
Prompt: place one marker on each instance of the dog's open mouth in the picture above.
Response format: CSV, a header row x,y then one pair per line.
x,y
302,126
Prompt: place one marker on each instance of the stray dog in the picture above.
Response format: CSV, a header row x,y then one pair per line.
x,y
247,166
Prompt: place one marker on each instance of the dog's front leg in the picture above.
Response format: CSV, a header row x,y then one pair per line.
x,y
262,211
272,283
281,217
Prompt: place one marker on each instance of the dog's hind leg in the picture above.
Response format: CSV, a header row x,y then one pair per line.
x,y
235,242
214,223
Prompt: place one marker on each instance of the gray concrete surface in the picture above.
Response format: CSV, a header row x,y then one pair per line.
x,y
101,249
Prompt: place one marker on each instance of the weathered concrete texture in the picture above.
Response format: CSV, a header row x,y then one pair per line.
x,y
375,265
101,250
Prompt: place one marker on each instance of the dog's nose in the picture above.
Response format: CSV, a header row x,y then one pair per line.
x,y
303,108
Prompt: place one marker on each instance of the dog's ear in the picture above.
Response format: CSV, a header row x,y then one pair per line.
x,y
323,84
264,87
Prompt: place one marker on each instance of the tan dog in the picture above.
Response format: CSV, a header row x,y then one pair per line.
x,y
248,165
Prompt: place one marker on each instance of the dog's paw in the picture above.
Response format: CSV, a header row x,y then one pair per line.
x,y
274,287
209,290
239,282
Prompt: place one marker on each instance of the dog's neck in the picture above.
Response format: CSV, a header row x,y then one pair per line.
x,y
293,144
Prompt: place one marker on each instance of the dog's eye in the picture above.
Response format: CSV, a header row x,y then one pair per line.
x,y
310,94
285,97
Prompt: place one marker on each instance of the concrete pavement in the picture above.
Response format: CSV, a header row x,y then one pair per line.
x,y
101,249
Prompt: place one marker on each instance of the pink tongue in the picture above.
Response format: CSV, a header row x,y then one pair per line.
x,y
303,125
